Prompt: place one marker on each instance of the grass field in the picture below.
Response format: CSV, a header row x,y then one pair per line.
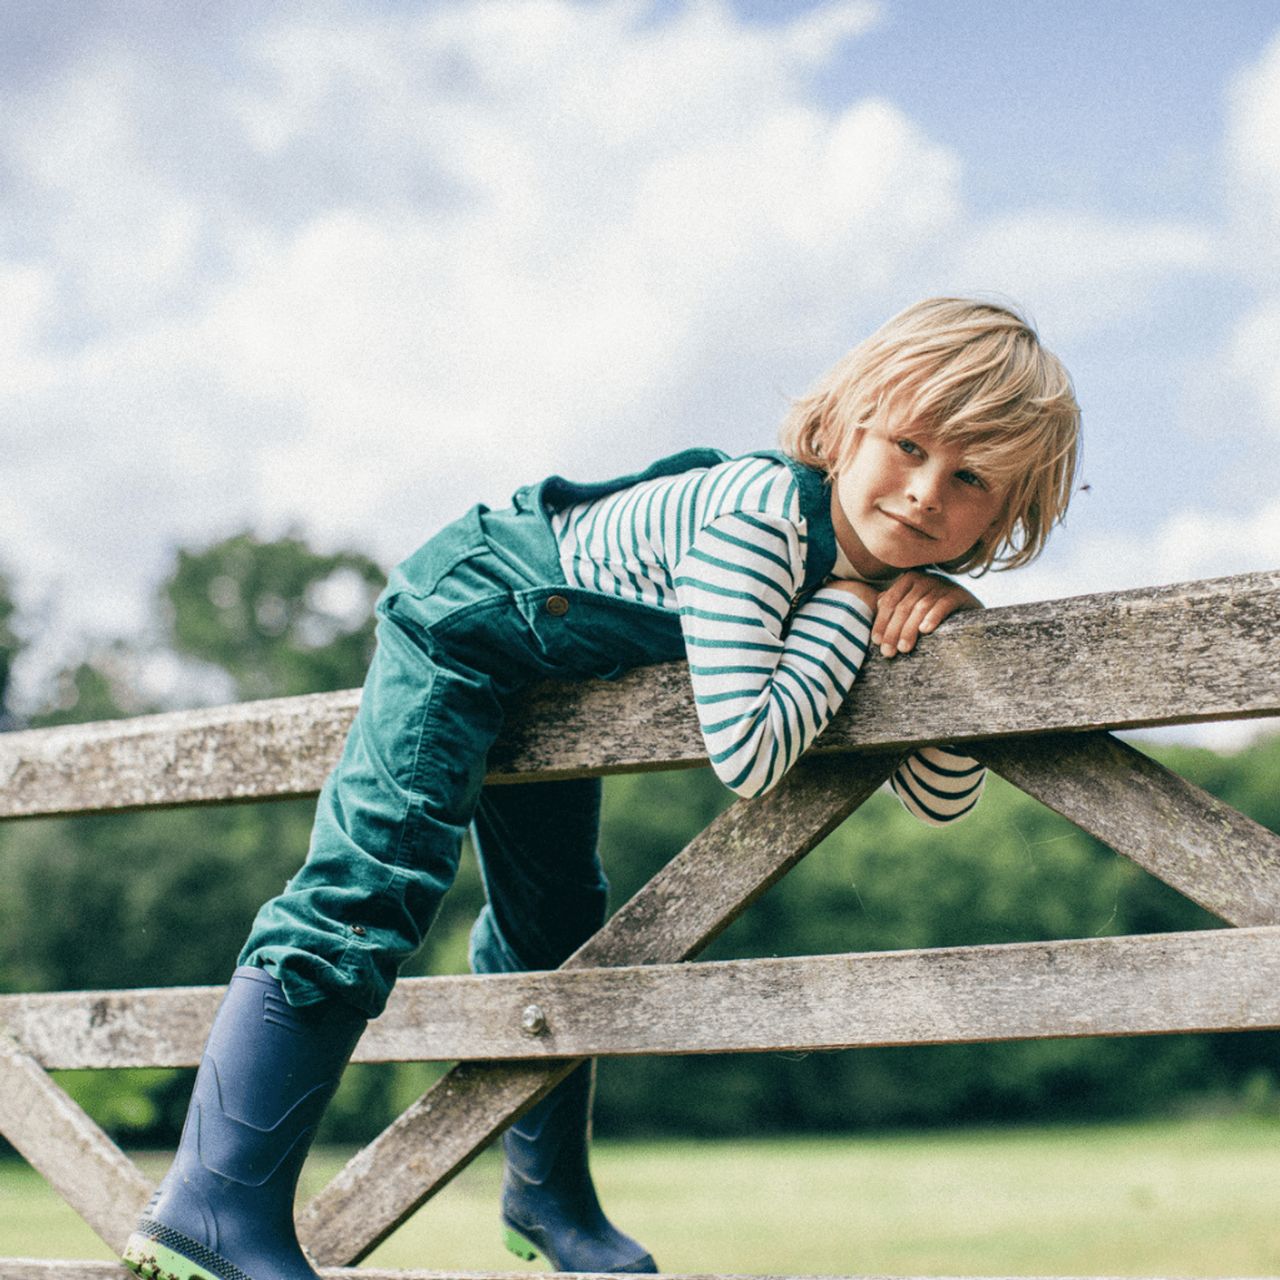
x,y
1189,1197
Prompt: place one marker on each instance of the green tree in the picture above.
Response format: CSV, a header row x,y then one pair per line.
x,y
277,616
168,896
10,649
1012,872
93,688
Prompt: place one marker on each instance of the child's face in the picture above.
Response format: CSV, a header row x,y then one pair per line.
x,y
910,500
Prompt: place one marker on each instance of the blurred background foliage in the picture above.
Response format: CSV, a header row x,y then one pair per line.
x,y
165,898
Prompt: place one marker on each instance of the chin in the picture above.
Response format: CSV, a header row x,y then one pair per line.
x,y
897,559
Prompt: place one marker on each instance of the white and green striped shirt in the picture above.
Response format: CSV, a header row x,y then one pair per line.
x,y
726,546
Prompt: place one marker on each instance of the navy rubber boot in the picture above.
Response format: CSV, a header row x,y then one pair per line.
x,y
549,1203
225,1209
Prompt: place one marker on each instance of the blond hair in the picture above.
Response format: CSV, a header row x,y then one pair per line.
x,y
970,373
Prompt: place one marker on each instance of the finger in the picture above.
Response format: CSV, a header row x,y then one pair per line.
x,y
938,611
887,602
909,631
885,630
891,622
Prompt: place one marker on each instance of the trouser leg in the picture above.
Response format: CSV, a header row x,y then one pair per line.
x,y
388,827
537,845
546,890
321,956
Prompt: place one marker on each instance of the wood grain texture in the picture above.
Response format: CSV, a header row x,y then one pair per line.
x,y
1166,655
1216,980
63,1144
1205,849
247,751
718,874
146,1027
73,1269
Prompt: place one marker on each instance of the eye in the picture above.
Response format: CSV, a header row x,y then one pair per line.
x,y
909,446
971,478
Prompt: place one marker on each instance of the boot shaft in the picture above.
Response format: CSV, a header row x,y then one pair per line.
x,y
267,1074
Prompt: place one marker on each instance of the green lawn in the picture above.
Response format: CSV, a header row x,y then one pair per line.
x,y
1191,1197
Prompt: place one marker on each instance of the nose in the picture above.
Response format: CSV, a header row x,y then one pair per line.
x,y
924,488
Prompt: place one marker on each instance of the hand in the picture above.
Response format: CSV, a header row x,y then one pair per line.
x,y
912,606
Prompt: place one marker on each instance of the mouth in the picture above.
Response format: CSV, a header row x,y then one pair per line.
x,y
906,524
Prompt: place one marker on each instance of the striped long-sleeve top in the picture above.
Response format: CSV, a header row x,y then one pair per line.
x,y
725,546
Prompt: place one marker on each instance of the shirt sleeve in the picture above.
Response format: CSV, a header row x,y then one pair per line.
x,y
938,786
766,678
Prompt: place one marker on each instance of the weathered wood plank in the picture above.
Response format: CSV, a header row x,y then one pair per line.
x,y
1166,655
246,751
1218,980
1205,849
698,894
1102,661
1202,981
73,1269
63,1144
143,1027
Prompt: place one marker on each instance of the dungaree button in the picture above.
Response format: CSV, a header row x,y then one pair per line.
x,y
557,606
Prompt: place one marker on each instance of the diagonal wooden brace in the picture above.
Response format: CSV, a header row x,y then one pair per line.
x,y
697,895
1178,832
63,1144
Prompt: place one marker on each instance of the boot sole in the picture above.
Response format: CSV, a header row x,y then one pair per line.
x,y
519,1245
148,1258
153,1261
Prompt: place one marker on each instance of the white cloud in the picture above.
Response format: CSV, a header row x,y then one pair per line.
x,y
25,369
1085,272
1188,544
1252,161
380,266
546,221
123,234
1252,153
1253,358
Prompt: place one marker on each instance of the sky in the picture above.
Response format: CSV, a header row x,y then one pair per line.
x,y
347,268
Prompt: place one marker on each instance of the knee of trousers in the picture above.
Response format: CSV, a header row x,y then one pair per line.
x,y
488,951
540,940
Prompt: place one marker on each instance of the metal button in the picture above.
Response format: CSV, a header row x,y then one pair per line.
x,y
557,606
358,930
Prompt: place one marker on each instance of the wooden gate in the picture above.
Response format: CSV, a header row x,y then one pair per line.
x,y
1031,690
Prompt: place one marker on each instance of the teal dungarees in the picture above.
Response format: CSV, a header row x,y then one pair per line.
x,y
477,613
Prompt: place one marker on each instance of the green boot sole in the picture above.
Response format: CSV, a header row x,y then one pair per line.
x,y
517,1244
153,1261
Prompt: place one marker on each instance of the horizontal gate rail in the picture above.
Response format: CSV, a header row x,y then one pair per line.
x,y
1109,661
41,1269
1214,980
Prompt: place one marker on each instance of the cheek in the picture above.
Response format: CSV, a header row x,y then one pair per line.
x,y
997,509
880,470
848,490
988,517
